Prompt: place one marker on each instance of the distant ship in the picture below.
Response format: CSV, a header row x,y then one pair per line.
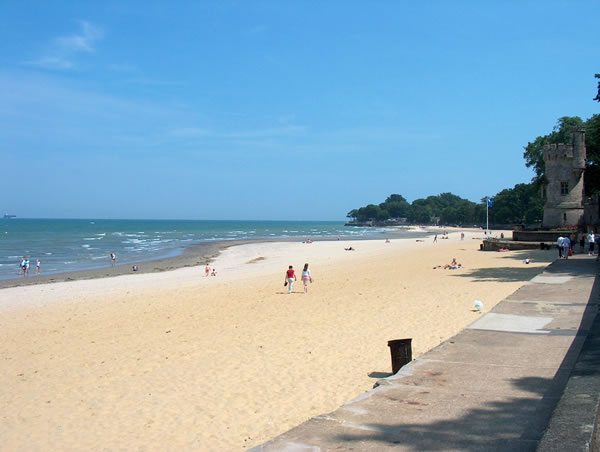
x,y
6,215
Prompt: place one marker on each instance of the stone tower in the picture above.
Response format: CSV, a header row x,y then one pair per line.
x,y
563,189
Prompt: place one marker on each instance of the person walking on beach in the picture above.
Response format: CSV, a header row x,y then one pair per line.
x,y
113,259
26,268
207,270
37,266
435,239
306,277
290,278
22,266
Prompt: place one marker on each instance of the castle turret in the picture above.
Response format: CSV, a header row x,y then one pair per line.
x,y
565,164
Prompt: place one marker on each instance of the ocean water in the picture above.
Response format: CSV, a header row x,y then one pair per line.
x,y
70,245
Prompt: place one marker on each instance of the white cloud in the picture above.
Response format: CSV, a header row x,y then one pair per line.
x,y
64,49
82,42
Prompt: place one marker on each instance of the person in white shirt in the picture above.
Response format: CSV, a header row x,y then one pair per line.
x,y
559,245
306,277
566,244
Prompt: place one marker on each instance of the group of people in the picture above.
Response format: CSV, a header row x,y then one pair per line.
x,y
451,266
290,278
444,237
24,267
208,272
565,244
564,247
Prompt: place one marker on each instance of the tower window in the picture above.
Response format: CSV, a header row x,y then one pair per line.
x,y
564,188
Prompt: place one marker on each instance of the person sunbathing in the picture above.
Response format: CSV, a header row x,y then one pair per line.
x,y
453,265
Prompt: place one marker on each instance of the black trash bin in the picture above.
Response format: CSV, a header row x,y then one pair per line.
x,y
401,350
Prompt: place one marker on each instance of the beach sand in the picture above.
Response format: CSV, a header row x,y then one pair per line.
x,y
174,360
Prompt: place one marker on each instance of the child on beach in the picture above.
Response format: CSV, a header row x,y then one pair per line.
x,y
207,271
306,277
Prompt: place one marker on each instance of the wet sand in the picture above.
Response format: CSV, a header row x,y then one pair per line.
x,y
195,255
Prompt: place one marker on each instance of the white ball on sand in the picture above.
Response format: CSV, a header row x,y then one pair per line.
x,y
478,305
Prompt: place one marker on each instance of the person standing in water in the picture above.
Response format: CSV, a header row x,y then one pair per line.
x,y
290,278
306,277
113,259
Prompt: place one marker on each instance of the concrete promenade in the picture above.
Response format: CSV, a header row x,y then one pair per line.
x,y
492,387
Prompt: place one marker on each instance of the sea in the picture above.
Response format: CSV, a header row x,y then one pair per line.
x,y
66,245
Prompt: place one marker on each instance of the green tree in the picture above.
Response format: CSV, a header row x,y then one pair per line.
x,y
396,198
560,134
382,215
369,212
353,214
521,204
592,145
420,212
449,215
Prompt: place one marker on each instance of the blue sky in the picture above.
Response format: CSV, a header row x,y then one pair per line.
x,y
291,110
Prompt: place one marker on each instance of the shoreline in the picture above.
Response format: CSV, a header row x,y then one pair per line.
x,y
200,254
192,256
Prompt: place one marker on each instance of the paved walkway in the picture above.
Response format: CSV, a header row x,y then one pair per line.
x,y
493,387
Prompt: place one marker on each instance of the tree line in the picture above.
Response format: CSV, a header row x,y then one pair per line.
x,y
521,204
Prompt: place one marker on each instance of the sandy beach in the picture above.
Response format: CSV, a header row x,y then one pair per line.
x,y
174,360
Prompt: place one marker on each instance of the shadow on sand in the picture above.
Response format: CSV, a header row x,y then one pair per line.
x,y
572,266
514,423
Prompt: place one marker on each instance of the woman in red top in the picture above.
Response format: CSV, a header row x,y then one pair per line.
x,y
290,277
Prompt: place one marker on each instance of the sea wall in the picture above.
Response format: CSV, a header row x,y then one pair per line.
x,y
538,236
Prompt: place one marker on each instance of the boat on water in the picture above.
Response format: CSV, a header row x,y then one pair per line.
x,y
7,215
